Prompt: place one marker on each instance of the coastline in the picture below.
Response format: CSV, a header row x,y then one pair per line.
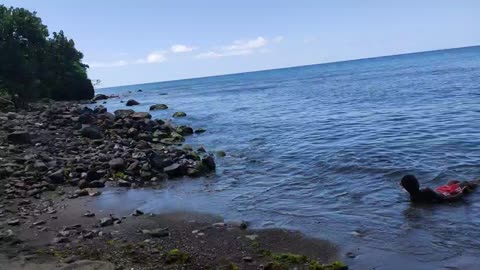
x,y
59,154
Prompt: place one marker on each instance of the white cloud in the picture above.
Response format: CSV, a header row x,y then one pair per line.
x,y
238,47
241,45
152,58
119,63
180,48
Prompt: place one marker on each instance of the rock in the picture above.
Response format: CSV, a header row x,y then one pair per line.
x,y
350,255
71,259
19,137
137,213
89,214
218,225
247,259
117,164
91,132
139,90
82,184
98,97
158,107
40,222
201,150
123,113
60,240
251,236
179,114
132,102
124,183
160,232
133,166
57,177
140,115
81,192
143,145
96,184
221,153
175,170
13,222
209,162
237,224
38,165
184,130
107,221
94,175
200,130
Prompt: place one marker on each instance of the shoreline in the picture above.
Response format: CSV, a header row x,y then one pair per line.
x,y
60,153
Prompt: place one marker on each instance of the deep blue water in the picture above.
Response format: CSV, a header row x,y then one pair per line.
x,y
321,149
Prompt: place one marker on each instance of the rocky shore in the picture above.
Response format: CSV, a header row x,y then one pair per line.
x,y
58,155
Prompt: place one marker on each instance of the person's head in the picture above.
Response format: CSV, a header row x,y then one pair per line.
x,y
410,183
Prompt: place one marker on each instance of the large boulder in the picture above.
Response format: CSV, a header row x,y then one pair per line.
x,y
158,107
91,132
132,102
19,137
123,113
98,97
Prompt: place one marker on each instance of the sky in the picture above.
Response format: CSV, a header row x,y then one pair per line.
x,y
141,41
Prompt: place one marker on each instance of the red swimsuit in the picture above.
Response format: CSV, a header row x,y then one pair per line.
x,y
448,190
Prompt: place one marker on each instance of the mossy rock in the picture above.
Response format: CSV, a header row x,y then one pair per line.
x,y
179,114
175,256
158,107
221,153
314,265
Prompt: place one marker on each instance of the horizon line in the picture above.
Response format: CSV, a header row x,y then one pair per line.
x,y
288,67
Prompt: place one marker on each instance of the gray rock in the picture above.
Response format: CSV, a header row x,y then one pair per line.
x,y
158,107
98,97
107,221
117,164
19,137
175,170
96,184
209,162
57,177
132,102
124,183
137,213
38,165
13,222
123,113
140,115
91,132
160,232
60,240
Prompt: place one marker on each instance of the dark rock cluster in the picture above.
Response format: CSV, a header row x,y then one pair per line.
x,y
63,143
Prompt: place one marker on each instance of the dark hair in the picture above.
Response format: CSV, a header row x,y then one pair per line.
x,y
410,183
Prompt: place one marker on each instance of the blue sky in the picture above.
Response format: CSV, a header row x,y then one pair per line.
x,y
128,42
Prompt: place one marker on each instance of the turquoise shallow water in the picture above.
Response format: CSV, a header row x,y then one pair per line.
x,y
321,149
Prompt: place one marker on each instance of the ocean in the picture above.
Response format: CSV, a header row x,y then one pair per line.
x,y
321,149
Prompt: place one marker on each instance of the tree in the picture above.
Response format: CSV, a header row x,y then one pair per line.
x,y
36,66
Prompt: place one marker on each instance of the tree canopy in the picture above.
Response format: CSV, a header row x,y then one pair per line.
x,y
34,64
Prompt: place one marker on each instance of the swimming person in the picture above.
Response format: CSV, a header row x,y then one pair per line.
x,y
452,191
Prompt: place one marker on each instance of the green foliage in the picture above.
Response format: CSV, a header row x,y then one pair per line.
x,y
177,257
285,261
35,65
